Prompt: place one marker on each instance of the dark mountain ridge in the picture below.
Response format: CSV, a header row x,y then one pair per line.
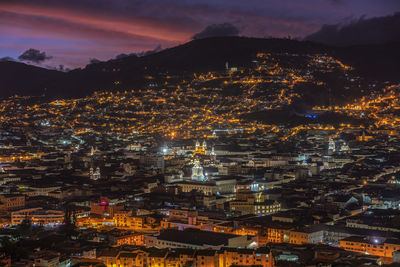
x,y
372,61
20,78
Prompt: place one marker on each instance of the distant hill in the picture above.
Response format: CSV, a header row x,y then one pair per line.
x,y
23,79
372,61
377,30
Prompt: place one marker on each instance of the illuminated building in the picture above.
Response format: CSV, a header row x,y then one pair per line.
x,y
224,257
236,229
331,147
253,202
210,187
200,149
135,147
251,206
93,151
197,171
213,155
38,216
42,190
125,258
152,161
157,258
278,235
180,257
306,236
49,258
183,219
230,168
94,221
134,239
206,188
12,201
206,257
345,147
374,246
95,175
105,208
125,220
245,257
364,138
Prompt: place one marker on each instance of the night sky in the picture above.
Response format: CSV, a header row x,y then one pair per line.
x,y
73,31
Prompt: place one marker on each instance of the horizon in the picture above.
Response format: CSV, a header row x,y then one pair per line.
x,y
148,53
151,52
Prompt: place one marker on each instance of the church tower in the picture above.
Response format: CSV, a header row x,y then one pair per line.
x,y
200,149
197,171
331,147
212,154
94,175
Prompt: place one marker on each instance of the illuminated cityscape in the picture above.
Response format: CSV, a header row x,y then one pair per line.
x,y
280,152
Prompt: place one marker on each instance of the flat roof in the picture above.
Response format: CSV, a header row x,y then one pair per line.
x,y
195,237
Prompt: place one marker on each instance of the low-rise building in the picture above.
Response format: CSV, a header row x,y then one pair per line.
x,y
372,246
38,216
12,201
251,206
124,219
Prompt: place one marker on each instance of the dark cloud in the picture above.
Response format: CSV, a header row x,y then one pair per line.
x,y
123,55
94,61
62,68
360,31
34,55
224,29
157,49
150,52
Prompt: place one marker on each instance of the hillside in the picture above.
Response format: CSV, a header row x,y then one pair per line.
x,y
23,79
372,61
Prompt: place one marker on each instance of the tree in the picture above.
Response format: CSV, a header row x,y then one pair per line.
x,y
12,249
69,228
8,247
25,228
